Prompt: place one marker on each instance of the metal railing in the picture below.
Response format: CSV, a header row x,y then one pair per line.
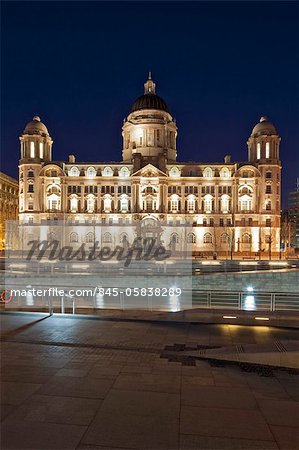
x,y
228,300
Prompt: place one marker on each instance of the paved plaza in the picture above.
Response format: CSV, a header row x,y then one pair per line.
x,y
87,383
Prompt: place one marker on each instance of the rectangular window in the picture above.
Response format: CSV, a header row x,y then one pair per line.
x,y
211,222
268,222
30,188
268,206
258,151
268,189
221,222
30,205
31,149
204,222
41,150
267,150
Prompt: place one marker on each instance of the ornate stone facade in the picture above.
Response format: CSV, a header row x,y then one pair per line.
x,y
9,198
233,207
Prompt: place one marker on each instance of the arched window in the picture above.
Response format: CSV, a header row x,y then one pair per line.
x,y
174,203
191,203
107,172
207,238
74,172
91,172
90,203
124,172
224,238
208,203
74,203
208,173
191,238
246,238
224,203
174,172
89,238
74,237
107,238
224,172
53,197
107,203
174,238
123,237
124,203
51,236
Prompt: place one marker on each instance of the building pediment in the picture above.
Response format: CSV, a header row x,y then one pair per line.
x,y
149,171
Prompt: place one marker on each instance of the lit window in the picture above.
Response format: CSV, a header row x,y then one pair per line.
x,y
258,151
107,172
90,203
208,203
224,172
74,237
246,238
224,238
191,238
74,172
267,150
107,204
191,203
124,172
174,238
74,203
41,150
174,203
124,204
224,203
174,172
89,238
107,238
31,149
208,173
91,172
207,238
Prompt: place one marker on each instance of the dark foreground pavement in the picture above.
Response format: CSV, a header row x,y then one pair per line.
x,y
82,383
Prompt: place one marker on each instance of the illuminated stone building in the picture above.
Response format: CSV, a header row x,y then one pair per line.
x,y
233,207
9,199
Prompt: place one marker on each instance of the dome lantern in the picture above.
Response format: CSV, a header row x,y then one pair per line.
x,y
36,143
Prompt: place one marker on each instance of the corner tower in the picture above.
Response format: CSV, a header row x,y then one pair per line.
x,y
263,144
149,131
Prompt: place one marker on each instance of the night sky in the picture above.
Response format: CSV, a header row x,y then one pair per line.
x,y
219,66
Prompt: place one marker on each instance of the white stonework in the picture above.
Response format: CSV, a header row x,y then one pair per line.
x,y
233,207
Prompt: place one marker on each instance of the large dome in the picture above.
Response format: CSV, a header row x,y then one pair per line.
x,y
264,127
36,127
149,100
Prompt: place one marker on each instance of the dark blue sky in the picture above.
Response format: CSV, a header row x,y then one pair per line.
x,y
219,66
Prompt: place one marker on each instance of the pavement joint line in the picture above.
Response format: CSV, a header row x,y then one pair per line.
x,y
18,330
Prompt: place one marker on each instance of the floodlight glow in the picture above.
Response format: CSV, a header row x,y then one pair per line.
x,y
249,288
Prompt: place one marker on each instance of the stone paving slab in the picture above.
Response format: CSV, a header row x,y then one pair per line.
x,y
19,434
125,396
